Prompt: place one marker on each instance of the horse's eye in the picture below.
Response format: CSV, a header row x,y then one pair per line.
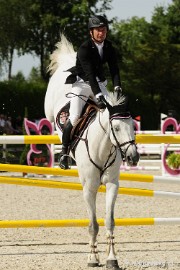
x,y
116,128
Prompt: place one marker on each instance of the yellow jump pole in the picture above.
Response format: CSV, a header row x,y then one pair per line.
x,y
38,170
71,223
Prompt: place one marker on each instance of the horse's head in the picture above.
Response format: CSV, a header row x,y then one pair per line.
x,y
122,129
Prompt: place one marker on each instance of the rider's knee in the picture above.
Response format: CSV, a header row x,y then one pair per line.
x,y
77,89
73,119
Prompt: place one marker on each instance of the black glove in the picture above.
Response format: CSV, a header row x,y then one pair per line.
x,y
101,102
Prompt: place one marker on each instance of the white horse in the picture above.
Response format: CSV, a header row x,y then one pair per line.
x,y
99,153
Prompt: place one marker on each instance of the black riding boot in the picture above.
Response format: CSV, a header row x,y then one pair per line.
x,y
63,162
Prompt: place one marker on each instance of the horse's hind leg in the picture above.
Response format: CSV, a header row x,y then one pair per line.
x,y
111,195
90,199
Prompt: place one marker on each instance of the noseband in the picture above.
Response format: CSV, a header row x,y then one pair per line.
x,y
119,116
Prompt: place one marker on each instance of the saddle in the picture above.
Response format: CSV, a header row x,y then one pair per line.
x,y
87,116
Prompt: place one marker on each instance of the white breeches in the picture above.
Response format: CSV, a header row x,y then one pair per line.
x,y
82,91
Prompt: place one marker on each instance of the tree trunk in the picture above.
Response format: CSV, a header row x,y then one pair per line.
x,y
10,63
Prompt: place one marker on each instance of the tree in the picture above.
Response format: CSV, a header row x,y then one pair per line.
x,y
12,30
166,23
131,39
173,21
35,75
150,66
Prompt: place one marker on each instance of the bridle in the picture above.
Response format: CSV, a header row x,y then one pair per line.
x,y
121,116
120,112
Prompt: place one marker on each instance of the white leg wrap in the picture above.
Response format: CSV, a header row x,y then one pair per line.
x,y
110,248
93,257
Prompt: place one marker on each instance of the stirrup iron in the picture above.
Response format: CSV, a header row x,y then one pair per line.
x,y
64,162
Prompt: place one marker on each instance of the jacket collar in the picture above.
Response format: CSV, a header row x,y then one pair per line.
x,y
94,44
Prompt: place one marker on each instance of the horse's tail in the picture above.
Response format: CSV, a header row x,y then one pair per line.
x,y
64,56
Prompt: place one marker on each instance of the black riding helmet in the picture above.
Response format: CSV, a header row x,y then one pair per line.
x,y
97,21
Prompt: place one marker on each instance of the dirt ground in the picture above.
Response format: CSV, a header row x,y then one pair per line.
x,y
138,247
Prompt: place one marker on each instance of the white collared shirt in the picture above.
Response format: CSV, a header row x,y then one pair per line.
x,y
100,48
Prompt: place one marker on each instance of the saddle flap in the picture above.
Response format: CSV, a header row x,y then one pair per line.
x,y
89,113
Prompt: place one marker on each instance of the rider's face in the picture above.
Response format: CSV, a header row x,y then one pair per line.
x,y
99,34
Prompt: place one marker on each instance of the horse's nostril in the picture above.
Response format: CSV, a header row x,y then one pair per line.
x,y
129,160
133,160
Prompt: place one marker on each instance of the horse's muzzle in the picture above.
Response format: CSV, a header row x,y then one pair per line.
x,y
132,159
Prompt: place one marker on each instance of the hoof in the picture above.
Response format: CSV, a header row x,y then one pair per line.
x,y
93,264
113,265
93,259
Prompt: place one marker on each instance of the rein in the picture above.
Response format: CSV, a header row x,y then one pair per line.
x,y
123,153
106,165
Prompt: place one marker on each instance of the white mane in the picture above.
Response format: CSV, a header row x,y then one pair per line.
x,y
64,56
114,100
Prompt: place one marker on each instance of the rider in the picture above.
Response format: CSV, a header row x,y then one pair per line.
x,y
88,78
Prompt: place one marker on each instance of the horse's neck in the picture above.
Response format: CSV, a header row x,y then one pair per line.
x,y
98,134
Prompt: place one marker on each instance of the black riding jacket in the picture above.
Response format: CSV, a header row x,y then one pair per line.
x,y
89,64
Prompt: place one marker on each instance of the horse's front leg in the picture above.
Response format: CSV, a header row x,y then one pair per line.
x,y
111,195
90,199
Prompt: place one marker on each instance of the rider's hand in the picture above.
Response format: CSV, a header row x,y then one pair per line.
x,y
101,101
118,89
